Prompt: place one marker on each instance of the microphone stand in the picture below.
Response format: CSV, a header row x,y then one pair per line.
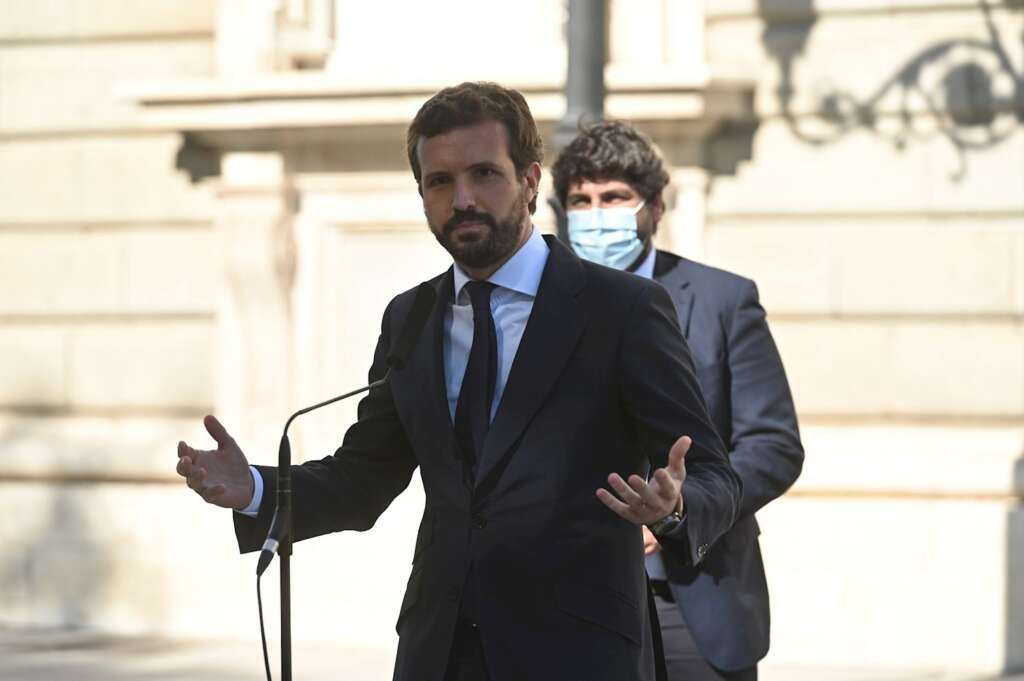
x,y
279,539
283,523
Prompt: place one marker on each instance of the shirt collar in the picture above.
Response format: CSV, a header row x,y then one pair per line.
x,y
646,269
521,272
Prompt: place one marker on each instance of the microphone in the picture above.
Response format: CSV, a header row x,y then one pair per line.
x,y
280,526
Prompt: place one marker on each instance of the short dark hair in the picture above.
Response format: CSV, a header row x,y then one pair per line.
x,y
611,150
475,102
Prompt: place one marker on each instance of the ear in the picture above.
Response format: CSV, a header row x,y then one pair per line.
x,y
657,209
532,177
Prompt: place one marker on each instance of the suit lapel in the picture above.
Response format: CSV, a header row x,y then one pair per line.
x,y
552,332
670,273
427,369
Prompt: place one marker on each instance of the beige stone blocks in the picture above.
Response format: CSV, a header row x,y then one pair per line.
x,y
108,365
79,87
58,272
142,366
797,8
119,179
125,448
791,262
966,368
125,557
902,583
824,41
48,272
85,19
911,460
34,362
971,265
862,174
122,557
171,270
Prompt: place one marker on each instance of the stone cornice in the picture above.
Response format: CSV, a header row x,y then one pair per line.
x,y
275,110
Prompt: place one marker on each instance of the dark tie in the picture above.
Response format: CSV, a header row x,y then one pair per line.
x,y
473,411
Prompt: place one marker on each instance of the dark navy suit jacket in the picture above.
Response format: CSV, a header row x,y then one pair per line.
x,y
724,598
602,382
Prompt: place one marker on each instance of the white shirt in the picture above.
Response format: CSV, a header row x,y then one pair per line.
x,y
516,285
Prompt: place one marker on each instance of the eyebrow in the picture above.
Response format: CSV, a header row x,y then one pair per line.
x,y
435,173
485,164
608,193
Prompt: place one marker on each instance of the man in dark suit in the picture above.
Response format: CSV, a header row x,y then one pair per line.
x,y
714,614
538,380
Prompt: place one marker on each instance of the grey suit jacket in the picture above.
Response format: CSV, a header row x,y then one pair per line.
x,y
724,599
602,382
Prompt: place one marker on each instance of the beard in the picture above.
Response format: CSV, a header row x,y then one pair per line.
x,y
498,241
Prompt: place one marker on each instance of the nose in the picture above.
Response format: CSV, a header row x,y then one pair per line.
x,y
463,198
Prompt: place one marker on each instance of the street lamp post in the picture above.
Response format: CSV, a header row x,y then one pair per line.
x,y
586,39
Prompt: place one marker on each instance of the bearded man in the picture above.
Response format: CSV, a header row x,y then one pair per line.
x,y
539,380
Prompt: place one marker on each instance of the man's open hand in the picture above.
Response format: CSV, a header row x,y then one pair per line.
x,y
220,476
643,502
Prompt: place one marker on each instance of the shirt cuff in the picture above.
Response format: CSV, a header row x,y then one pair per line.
x,y
257,494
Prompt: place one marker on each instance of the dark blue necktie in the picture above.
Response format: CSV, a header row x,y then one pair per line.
x,y
473,411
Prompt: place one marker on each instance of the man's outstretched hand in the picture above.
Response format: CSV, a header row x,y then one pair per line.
x,y
642,502
220,476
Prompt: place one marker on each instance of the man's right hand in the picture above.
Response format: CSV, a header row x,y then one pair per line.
x,y
220,476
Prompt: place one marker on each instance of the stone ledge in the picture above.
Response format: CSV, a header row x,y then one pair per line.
x,y
310,103
94,448
914,462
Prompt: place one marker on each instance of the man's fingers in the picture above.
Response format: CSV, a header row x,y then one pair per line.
x,y
620,509
184,466
217,431
646,493
195,479
625,492
676,455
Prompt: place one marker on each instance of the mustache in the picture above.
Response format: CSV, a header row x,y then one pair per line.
x,y
469,216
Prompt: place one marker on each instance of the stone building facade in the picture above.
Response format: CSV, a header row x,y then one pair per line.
x,y
204,206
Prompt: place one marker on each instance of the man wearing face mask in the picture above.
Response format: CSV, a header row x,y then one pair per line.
x,y
714,615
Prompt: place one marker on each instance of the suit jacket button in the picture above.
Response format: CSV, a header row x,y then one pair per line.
x,y
479,521
702,551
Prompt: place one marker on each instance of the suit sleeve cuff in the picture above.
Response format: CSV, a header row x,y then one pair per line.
x,y
257,494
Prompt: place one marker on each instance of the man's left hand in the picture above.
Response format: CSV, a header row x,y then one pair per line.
x,y
642,502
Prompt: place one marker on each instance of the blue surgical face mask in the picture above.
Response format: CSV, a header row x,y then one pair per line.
x,y
607,236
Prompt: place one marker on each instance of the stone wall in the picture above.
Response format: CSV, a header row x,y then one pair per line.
x,y
888,242
886,234
108,282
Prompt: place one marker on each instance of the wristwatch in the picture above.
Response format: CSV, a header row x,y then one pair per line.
x,y
667,524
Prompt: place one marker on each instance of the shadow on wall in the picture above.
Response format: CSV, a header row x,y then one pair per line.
x,y
968,86
60,575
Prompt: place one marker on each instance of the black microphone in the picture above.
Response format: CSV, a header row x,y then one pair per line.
x,y
412,329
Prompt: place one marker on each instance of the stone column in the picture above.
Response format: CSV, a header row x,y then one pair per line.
x,y
682,229
255,216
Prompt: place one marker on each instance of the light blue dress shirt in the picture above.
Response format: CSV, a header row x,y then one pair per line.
x,y
516,285
511,304
646,269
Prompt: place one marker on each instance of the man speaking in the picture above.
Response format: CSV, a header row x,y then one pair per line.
x,y
539,381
